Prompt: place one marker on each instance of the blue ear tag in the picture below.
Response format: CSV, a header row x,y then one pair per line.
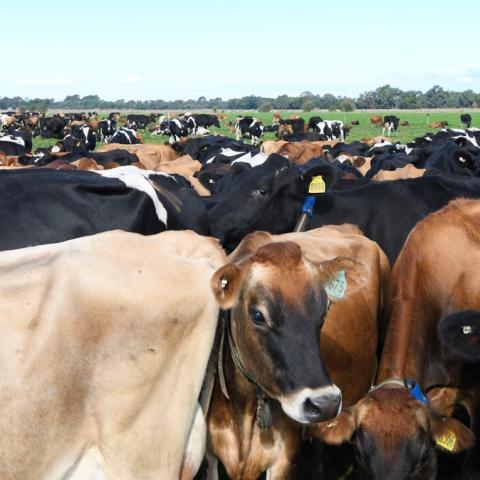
x,y
416,391
337,286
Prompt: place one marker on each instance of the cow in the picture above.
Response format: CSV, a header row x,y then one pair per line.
x,y
313,121
124,198
176,129
331,130
248,127
89,374
355,122
404,123
421,380
16,142
376,120
269,197
408,171
390,123
150,155
295,125
107,128
205,120
287,338
466,120
441,124
140,120
124,136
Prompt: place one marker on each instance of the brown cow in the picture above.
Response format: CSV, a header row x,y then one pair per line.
x,y
441,124
272,146
434,283
404,123
150,155
376,120
275,288
302,152
408,171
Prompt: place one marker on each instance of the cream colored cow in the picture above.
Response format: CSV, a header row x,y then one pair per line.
x,y
104,341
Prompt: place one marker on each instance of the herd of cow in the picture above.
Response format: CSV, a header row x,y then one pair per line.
x,y
347,309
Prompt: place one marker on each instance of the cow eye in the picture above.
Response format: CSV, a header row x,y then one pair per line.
x,y
260,192
257,317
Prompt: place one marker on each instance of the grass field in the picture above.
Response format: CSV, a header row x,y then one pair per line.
x,y
417,120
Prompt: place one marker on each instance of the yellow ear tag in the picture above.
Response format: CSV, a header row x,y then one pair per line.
x,y
317,185
447,441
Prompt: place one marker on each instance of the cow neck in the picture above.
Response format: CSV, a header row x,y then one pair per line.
x,y
240,377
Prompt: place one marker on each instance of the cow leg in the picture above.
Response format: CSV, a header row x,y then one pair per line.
x,y
195,451
212,471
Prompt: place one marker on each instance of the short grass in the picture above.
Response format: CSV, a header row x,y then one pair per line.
x,y
418,125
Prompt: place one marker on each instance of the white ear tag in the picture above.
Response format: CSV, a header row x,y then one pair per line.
x,y
224,283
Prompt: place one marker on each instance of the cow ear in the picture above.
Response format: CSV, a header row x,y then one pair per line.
x,y
336,431
318,170
226,283
284,171
449,434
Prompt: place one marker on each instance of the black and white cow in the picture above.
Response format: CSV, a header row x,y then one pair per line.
x,y
248,127
175,129
107,129
125,198
390,123
125,136
330,130
16,142
466,120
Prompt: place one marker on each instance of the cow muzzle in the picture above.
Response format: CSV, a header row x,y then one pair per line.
x,y
313,405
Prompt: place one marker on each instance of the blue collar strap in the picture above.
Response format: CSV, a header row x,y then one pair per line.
x,y
308,205
415,390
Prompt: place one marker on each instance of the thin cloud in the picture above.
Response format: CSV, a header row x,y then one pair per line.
x,y
466,79
47,82
131,79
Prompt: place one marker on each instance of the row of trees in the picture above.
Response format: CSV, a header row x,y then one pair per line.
x,y
385,97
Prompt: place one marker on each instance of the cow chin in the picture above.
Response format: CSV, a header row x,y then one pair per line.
x,y
312,405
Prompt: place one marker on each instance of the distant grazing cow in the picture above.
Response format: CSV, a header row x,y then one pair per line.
x,y
466,120
376,120
390,124
248,127
404,123
441,124
355,122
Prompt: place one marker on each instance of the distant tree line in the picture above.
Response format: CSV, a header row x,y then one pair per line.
x,y
385,97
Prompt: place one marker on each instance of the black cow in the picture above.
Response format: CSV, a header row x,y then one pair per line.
x,y
248,127
466,120
390,123
51,127
205,120
313,122
297,124
140,120
124,136
269,197
92,202
107,129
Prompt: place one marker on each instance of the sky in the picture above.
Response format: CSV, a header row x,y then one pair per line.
x,y
181,49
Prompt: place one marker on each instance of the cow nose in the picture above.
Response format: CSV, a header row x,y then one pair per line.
x,y
323,407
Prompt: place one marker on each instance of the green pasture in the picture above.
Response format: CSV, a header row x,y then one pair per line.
x,y
418,124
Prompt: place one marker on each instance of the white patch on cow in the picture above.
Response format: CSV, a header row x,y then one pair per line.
x,y
254,161
202,131
177,123
196,445
293,404
228,152
137,178
13,139
90,465
343,158
408,150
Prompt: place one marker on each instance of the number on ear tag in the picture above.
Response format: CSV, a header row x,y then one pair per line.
x,y
337,286
447,440
317,185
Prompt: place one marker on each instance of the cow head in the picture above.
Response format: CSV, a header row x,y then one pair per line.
x,y
278,305
266,197
395,436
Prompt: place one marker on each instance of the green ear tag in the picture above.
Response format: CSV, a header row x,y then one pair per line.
x,y
337,286
317,185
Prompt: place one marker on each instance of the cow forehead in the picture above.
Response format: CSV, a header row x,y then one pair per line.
x,y
291,284
392,412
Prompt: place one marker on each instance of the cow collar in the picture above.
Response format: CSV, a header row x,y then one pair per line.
x,y
409,383
264,414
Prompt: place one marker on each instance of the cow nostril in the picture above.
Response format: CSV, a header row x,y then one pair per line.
x,y
323,407
314,405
